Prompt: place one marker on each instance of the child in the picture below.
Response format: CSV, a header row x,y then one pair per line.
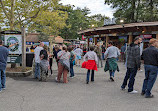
x,y
91,63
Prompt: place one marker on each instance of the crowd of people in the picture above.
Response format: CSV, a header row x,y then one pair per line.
x,y
70,56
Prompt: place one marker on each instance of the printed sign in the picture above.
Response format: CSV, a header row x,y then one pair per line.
x,y
12,39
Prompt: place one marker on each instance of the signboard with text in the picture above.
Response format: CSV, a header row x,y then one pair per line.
x,y
12,39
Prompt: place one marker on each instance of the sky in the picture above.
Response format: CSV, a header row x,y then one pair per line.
x,y
95,6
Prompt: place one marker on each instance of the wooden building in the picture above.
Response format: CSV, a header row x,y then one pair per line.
x,y
122,33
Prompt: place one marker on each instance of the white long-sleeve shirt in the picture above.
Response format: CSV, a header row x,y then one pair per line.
x,y
78,51
112,51
91,55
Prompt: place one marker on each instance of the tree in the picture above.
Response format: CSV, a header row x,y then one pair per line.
x,y
134,10
16,13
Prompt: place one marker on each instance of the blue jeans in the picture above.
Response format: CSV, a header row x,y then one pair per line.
x,y
2,79
103,56
130,74
37,70
112,73
150,78
92,75
71,69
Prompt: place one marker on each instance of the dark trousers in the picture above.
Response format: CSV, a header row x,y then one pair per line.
x,y
130,74
92,75
71,69
150,78
50,64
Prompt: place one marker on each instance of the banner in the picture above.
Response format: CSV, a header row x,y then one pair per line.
x,y
12,39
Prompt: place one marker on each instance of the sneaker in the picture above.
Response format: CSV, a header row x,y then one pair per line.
x,y
123,89
111,78
87,82
71,76
56,79
3,88
133,92
142,93
151,96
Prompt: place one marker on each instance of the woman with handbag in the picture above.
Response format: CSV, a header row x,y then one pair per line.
x,y
63,64
91,63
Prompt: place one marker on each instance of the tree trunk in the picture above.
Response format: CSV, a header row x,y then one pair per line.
x,y
12,15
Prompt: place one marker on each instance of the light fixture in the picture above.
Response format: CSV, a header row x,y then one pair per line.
x,y
121,21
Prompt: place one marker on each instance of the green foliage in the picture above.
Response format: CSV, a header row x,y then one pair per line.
x,y
78,19
17,13
135,10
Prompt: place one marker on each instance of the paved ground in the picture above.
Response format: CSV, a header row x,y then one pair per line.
x,y
27,94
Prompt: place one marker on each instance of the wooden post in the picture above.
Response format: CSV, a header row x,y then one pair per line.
x,y
157,36
88,43
130,39
107,40
23,49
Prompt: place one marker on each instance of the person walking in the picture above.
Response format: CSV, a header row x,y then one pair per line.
x,y
55,52
78,52
4,52
38,60
44,64
150,57
123,49
103,51
111,54
63,64
133,64
72,58
91,63
98,51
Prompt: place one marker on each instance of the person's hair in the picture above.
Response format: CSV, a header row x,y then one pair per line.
x,y
56,47
152,41
0,42
45,47
78,46
70,49
91,48
137,38
110,42
65,48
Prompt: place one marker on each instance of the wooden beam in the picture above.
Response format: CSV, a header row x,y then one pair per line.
x,y
130,39
107,40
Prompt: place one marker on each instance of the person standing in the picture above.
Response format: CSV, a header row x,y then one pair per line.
x,y
91,63
55,52
38,60
123,49
111,54
150,57
98,51
63,64
103,51
4,52
78,52
72,58
133,64
44,64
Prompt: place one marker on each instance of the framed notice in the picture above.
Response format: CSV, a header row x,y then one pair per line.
x,y
12,39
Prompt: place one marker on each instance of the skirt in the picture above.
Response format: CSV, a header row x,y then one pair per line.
x,y
90,65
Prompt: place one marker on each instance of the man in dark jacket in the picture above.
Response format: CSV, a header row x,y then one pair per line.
x,y
150,57
133,64
3,63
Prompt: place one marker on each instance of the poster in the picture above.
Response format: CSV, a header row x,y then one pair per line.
x,y
12,39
